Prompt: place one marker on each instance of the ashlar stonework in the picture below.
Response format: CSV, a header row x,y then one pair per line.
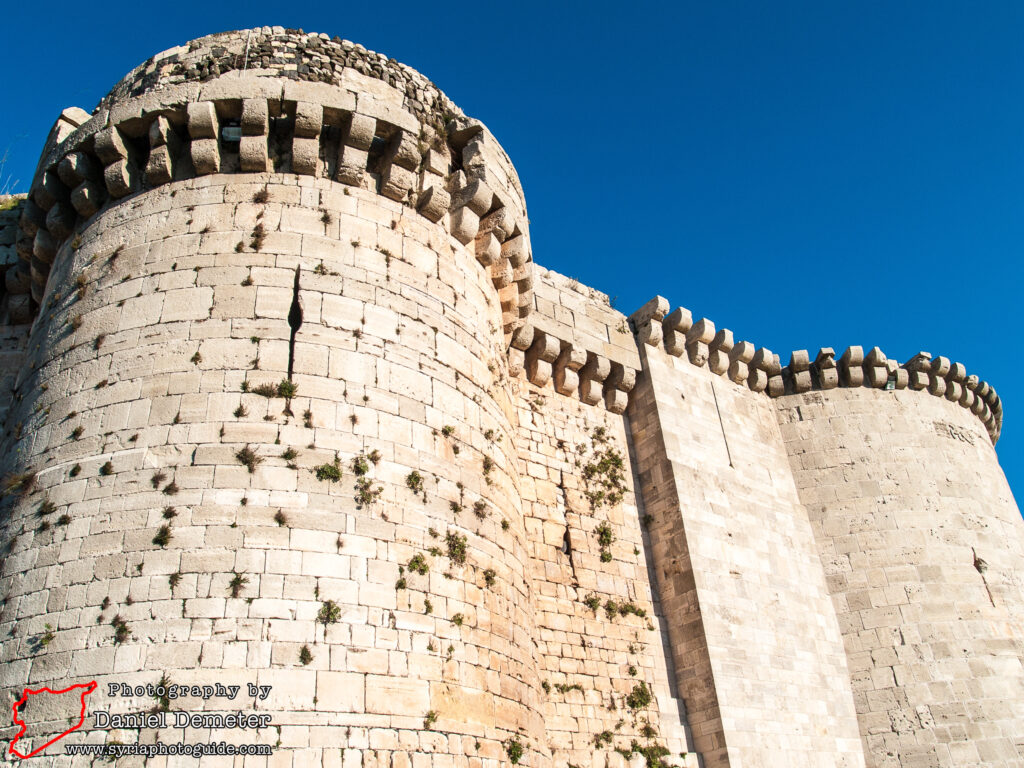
x,y
290,411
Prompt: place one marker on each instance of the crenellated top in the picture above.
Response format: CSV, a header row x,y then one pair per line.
x,y
760,370
576,341
161,125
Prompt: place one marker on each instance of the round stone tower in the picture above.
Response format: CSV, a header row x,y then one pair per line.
x,y
921,542
264,433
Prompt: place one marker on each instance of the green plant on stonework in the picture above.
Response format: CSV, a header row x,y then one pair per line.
x,y
504,525
488,467
514,750
330,613
174,580
307,419
280,519
163,700
418,564
456,544
603,739
366,492
447,430
121,629
414,481
19,484
287,388
430,719
604,477
258,237
652,754
248,458
241,411
64,520
546,686
564,688
640,697
605,537
489,577
428,607
237,583
480,508
290,454
305,655
593,602
330,472
264,390
47,637
626,609
360,465
107,469
457,619
163,536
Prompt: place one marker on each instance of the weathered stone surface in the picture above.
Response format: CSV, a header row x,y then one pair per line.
x,y
309,416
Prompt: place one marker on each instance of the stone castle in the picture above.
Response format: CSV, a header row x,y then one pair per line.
x,y
288,404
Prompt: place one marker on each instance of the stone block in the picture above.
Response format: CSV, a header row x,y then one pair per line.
x,y
851,371
205,154
306,156
309,118
255,117
464,224
202,120
397,696
253,155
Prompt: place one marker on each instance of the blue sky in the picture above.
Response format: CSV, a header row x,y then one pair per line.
x,y
807,174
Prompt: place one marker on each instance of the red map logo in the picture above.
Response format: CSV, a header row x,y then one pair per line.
x,y
85,688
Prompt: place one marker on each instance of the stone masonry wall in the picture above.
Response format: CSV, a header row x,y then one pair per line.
x,y
756,644
286,401
136,417
600,636
13,337
922,544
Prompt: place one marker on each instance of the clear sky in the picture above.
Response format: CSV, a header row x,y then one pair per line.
x,y
807,174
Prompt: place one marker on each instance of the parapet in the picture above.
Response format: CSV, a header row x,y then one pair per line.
x,y
577,341
10,212
760,370
271,100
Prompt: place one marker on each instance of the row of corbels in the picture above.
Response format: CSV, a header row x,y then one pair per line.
x,y
761,370
572,371
481,216
182,142
703,344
